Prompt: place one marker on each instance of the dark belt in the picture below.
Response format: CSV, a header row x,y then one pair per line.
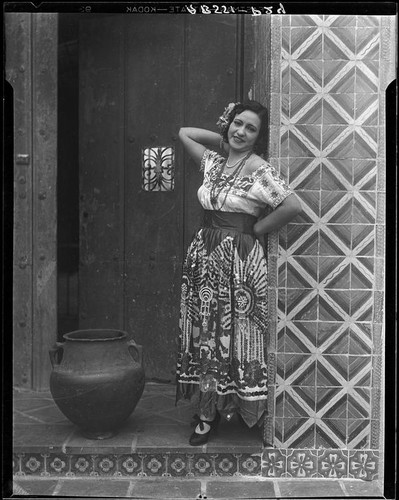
x,y
229,221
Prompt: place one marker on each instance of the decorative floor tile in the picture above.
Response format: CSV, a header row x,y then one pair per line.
x,y
202,465
333,464
226,464
363,464
178,465
129,465
154,465
106,465
249,464
274,463
301,463
33,463
58,464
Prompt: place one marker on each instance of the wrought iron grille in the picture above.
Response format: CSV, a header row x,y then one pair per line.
x,y
158,169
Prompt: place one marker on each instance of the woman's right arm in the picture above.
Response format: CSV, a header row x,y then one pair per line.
x,y
196,141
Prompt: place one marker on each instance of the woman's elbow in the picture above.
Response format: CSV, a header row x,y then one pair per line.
x,y
183,134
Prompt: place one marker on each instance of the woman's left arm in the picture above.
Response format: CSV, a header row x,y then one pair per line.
x,y
284,213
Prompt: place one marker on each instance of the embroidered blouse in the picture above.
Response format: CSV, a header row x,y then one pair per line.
x,y
249,193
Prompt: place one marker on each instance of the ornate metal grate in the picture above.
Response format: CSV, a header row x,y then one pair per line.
x,y
158,169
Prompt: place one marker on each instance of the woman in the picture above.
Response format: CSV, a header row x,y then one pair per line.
x,y
223,318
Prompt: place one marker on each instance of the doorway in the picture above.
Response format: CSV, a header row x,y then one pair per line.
x,y
127,193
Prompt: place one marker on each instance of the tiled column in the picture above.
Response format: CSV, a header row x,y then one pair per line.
x,y
329,75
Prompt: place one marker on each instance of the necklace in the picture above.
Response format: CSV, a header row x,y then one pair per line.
x,y
218,186
234,164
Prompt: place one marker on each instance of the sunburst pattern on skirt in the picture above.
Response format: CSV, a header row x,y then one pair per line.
x,y
223,319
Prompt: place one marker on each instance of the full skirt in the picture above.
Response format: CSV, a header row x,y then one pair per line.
x,y
223,318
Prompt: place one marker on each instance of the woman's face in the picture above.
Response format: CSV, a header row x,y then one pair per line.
x,y
244,130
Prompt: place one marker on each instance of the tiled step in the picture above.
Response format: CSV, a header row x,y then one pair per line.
x,y
154,443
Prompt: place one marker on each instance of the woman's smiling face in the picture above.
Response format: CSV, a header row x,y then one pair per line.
x,y
244,130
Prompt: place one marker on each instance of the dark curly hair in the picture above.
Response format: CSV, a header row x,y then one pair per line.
x,y
261,144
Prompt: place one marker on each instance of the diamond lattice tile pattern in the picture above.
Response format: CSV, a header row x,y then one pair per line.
x,y
330,129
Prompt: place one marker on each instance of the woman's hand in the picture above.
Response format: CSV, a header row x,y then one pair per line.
x,y
284,213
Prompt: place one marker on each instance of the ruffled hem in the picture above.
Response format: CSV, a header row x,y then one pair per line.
x,y
251,412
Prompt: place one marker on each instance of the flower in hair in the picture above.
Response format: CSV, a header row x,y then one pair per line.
x,y
223,120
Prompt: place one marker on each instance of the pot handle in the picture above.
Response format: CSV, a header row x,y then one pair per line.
x,y
138,350
56,353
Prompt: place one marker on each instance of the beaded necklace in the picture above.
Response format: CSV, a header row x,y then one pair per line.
x,y
218,186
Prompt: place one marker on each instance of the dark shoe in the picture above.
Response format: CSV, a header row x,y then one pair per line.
x,y
198,439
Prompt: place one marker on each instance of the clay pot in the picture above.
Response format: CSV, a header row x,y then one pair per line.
x,y
97,379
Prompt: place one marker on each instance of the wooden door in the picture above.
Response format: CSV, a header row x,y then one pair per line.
x,y
141,78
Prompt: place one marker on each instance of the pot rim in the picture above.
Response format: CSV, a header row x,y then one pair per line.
x,y
95,337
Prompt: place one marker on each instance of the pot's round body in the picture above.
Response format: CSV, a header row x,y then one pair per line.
x,y
97,379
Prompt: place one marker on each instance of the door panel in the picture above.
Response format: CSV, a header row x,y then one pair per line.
x,y
143,77
154,104
101,164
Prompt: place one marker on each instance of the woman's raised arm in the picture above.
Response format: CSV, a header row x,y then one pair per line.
x,y
197,140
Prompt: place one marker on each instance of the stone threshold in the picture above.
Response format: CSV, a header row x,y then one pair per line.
x,y
204,488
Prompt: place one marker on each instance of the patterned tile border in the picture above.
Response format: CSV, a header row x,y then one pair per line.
x,y
271,463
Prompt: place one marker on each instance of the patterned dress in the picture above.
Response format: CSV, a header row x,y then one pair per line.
x,y
223,313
